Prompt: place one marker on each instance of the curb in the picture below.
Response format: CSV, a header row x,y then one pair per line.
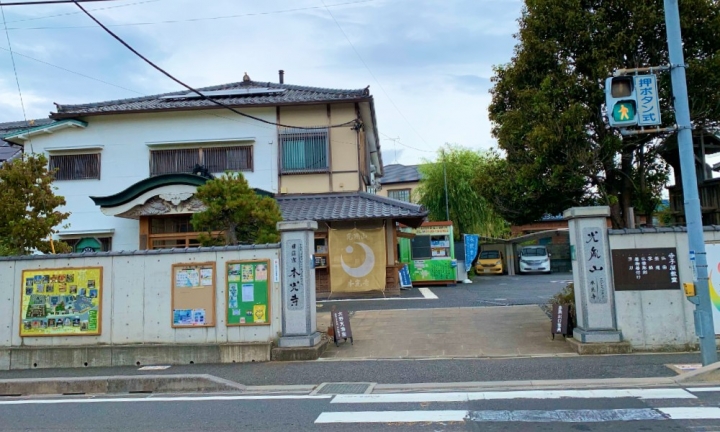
x,y
706,374
118,384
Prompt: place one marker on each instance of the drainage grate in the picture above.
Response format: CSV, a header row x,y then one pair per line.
x,y
344,388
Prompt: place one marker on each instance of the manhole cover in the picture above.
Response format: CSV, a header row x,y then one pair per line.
x,y
344,388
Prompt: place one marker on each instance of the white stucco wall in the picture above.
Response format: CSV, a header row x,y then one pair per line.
x,y
661,318
136,299
125,157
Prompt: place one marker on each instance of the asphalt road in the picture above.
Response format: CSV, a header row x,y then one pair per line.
x,y
407,371
491,290
325,413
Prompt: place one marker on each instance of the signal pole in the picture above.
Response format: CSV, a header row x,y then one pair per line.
x,y
704,327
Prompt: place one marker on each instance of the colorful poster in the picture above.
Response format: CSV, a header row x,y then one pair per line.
x,y
206,277
358,260
198,317
182,317
713,262
61,302
187,278
248,293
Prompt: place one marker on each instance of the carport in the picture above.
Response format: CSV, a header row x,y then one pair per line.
x,y
509,246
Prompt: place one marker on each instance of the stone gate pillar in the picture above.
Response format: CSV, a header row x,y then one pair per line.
x,y
299,320
592,275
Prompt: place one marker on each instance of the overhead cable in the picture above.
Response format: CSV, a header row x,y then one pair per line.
x,y
203,96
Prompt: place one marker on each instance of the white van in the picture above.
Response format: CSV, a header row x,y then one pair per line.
x,y
534,259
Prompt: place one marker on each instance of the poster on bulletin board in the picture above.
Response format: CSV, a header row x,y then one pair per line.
x,y
193,295
61,302
248,293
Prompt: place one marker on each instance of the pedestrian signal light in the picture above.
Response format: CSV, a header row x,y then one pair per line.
x,y
620,100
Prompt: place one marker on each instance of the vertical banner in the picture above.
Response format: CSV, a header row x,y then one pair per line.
x,y
713,262
357,260
61,302
471,248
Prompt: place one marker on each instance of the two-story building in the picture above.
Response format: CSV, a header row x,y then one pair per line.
x,y
128,169
400,182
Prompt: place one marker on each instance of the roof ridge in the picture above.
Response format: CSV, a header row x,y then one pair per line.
x,y
251,84
386,200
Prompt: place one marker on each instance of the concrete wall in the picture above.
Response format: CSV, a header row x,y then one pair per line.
x,y
136,304
125,141
661,319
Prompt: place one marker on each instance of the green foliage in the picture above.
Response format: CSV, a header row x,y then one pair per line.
x,y
468,210
235,214
29,207
547,103
566,297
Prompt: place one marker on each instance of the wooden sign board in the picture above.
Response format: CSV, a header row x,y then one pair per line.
x,y
560,320
645,269
193,295
341,327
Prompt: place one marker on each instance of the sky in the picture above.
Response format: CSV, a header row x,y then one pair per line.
x,y
428,62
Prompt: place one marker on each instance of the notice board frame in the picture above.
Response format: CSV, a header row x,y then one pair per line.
x,y
98,284
210,318
268,303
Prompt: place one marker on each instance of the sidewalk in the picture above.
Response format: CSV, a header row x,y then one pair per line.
x,y
447,333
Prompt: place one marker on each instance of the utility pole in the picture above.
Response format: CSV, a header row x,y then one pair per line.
x,y
447,204
703,307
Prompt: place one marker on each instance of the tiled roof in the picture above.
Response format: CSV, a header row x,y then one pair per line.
x,y
7,152
12,127
346,206
397,173
291,95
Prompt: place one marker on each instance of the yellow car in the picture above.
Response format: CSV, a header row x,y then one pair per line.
x,y
490,262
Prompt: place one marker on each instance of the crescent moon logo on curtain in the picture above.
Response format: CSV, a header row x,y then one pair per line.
x,y
365,268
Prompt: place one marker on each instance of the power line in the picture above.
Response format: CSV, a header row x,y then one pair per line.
x,y
405,145
75,13
12,57
218,103
221,17
40,2
372,74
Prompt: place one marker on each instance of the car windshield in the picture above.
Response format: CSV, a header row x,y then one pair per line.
x,y
534,252
489,255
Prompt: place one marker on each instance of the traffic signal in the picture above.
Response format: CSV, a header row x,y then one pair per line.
x,y
621,101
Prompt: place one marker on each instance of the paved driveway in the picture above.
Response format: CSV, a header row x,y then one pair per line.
x,y
484,291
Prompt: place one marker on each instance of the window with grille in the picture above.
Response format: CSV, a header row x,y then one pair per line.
x,y
76,167
215,159
303,150
399,194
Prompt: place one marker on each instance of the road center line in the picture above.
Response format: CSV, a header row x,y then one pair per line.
x,y
505,395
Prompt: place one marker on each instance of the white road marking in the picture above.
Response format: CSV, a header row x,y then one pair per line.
x,y
427,293
154,368
534,416
156,399
692,413
392,416
703,389
505,395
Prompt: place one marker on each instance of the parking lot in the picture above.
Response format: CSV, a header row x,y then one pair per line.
x,y
491,290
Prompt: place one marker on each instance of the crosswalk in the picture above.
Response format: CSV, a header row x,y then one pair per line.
x,y
534,406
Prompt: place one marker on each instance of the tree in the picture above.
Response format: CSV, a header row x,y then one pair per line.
x,y
29,207
235,214
547,103
468,210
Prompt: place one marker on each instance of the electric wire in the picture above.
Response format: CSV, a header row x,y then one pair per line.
x,y
76,13
203,96
372,74
43,2
17,79
221,17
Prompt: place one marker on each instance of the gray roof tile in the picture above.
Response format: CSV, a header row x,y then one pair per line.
x,y
397,173
7,152
293,94
12,127
345,206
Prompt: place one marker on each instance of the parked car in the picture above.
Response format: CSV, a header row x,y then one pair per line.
x,y
490,262
534,259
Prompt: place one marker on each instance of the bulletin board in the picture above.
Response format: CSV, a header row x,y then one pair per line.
x,y
61,302
193,295
248,293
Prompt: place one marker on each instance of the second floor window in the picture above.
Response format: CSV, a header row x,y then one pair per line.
x,y
304,150
215,159
399,194
76,167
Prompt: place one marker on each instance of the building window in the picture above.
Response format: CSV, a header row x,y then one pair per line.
x,y
215,159
399,194
303,150
76,167
167,232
